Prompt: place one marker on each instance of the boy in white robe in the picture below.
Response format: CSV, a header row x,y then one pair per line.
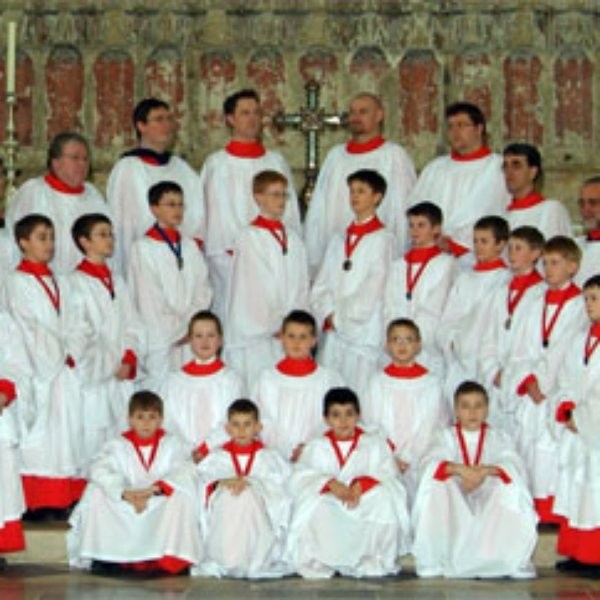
x,y
247,509
51,446
349,507
522,166
577,415
420,281
473,515
269,278
290,395
405,401
197,396
347,295
589,210
542,338
169,281
140,510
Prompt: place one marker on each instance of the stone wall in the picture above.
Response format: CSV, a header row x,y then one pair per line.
x,y
530,64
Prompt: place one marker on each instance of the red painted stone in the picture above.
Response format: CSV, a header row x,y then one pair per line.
x,y
217,70
164,78
522,104
24,83
318,64
114,75
369,60
472,75
64,89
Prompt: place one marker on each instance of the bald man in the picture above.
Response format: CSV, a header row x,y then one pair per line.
x,y
329,211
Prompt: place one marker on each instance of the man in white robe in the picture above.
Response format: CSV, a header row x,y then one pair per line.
x,y
589,242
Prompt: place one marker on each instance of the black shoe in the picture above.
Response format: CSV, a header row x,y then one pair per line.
x,y
100,567
3,564
573,566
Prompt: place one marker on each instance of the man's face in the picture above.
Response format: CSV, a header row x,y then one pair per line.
x,y
365,118
463,135
73,165
518,175
589,205
158,130
246,120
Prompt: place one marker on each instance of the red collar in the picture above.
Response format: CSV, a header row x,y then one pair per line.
x,y
270,224
199,370
234,448
593,235
562,296
595,330
523,282
297,367
421,255
492,265
173,235
94,270
403,372
138,441
476,155
60,186
354,147
245,149
33,268
360,229
532,199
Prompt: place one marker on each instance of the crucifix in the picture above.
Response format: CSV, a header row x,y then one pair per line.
x,y
311,120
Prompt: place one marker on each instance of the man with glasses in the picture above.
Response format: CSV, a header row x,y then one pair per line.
x,y
589,210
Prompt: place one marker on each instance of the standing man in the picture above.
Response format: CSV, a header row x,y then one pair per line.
x,y
139,169
467,184
226,184
329,211
589,210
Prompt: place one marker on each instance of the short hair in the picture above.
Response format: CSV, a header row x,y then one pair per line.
x,y
243,406
231,101
266,178
470,387
565,247
531,153
58,143
532,236
158,190
147,401
497,225
592,282
24,227
408,323
473,111
143,109
432,212
83,226
300,317
205,315
594,180
372,178
340,395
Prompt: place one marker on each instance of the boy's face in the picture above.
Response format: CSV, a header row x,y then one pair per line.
x,y
145,423
101,243
272,200
463,135
169,210
343,419
485,245
243,428
246,120
521,256
39,247
592,303
518,175
471,410
205,339
298,340
363,200
422,232
557,269
403,345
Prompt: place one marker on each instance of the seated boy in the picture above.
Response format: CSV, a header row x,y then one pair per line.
x,y
405,401
473,515
290,395
169,281
349,512
347,295
269,278
140,509
247,510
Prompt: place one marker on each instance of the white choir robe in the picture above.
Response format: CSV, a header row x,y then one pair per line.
x,y
106,528
266,285
226,188
329,211
63,209
408,411
8,256
590,260
326,536
355,297
166,298
529,358
490,532
427,302
103,331
549,216
463,322
52,443
195,405
291,406
245,535
465,190
127,194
